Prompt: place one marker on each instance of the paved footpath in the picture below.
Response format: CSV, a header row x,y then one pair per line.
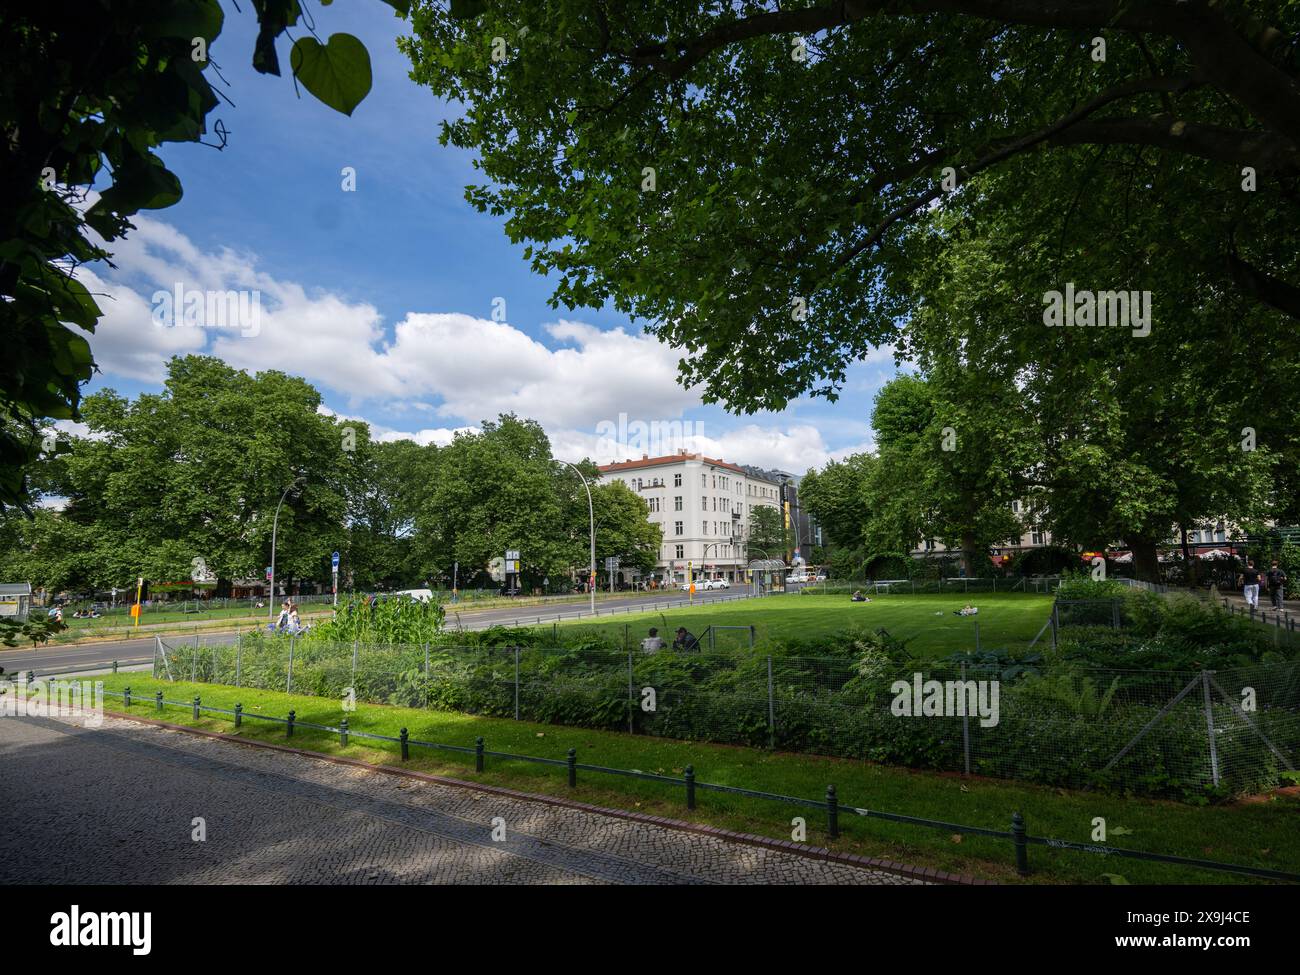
x,y
115,804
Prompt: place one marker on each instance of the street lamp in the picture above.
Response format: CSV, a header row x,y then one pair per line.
x,y
294,486
591,513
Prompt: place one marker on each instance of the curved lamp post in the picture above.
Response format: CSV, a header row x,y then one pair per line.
x,y
294,486
591,513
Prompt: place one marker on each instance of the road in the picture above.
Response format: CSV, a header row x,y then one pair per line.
x,y
119,804
140,651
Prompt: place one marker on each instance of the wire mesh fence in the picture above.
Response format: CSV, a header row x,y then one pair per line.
x,y
1150,732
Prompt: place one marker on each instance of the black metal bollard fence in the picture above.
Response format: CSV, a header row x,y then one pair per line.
x,y
405,739
126,698
196,706
343,732
115,666
1022,845
572,761
478,754
832,813
689,775
239,714
288,728
157,700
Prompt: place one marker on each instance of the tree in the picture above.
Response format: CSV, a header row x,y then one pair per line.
x,y
761,183
954,450
768,537
89,96
835,497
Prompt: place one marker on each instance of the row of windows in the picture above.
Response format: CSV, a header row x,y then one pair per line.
x,y
723,551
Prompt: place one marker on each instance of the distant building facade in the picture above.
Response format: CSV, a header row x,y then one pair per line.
x,y
703,505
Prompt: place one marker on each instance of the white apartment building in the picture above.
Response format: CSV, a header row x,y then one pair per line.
x,y
703,506
1031,536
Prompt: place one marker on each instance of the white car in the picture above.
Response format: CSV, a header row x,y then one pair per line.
x,y
719,584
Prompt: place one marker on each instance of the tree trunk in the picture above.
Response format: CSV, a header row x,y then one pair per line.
x,y
968,554
1146,564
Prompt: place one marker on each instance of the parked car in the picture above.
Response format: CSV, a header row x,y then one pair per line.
x,y
719,584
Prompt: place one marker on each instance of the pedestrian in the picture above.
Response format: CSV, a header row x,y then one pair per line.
x,y
652,642
282,623
1276,584
1250,584
686,640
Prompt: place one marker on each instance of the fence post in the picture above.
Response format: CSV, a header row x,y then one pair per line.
x,y
196,705
1114,612
343,732
157,700
157,644
965,722
1022,845
404,737
631,697
689,775
832,813
194,661
1056,623
239,661
571,760
478,754
126,697
516,683
1209,727
771,707
293,716
239,714
288,680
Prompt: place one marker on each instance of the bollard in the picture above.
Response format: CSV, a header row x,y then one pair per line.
x,y
157,700
343,732
239,714
406,747
196,706
572,762
288,727
115,666
689,775
478,754
832,813
1022,846
126,698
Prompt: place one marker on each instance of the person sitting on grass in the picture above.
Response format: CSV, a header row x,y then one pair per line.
x,y
859,598
686,640
967,610
652,642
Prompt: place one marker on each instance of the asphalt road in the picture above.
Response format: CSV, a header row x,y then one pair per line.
x,y
140,651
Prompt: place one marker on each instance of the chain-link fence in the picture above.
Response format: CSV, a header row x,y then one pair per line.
x,y
1151,732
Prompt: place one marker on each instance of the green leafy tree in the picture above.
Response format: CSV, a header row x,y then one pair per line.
x,y
767,533
87,99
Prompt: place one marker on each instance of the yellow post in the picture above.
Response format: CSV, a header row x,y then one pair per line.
x,y
690,582
135,610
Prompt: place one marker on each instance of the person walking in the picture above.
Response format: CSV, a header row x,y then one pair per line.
x,y
1250,584
1276,584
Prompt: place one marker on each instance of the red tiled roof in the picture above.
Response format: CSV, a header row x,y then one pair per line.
x,y
632,465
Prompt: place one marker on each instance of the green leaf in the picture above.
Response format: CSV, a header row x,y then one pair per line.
x,y
338,72
1115,879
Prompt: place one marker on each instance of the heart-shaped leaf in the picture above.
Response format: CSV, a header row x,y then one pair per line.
x,y
337,72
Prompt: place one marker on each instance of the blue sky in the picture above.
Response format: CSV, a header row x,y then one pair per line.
x,y
383,297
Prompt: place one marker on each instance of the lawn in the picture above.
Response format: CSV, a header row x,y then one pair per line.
x,y
926,622
1258,833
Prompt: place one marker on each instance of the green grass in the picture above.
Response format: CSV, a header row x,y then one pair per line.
x,y
1258,833
1006,620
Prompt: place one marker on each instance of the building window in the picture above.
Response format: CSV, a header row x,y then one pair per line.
x,y
677,529
704,528
677,503
1036,538
681,551
677,480
704,480
704,504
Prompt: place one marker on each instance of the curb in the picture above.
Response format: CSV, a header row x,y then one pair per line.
x,y
928,874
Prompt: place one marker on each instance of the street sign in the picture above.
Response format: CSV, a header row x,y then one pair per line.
x,y
611,563
334,560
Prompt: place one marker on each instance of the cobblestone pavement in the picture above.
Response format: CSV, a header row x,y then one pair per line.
x,y
115,804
